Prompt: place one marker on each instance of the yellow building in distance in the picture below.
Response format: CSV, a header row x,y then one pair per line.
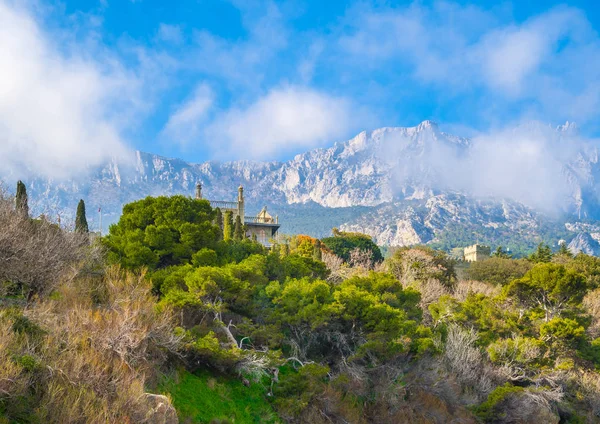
x,y
477,253
262,226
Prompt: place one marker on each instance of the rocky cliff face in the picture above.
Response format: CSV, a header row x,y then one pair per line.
x,y
401,185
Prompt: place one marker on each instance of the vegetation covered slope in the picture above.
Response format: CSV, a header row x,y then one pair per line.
x,y
229,331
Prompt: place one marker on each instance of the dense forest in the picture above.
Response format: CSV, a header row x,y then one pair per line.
x,y
175,316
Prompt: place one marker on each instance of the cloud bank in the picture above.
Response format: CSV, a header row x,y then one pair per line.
x,y
56,104
532,163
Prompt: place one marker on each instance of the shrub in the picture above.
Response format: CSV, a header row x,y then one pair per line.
x,y
498,271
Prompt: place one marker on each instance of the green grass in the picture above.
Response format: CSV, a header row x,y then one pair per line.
x,y
205,398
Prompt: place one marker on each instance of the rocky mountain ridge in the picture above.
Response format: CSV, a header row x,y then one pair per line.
x,y
401,185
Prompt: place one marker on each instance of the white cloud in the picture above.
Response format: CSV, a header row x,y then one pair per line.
x,y
57,106
189,119
526,163
285,120
550,61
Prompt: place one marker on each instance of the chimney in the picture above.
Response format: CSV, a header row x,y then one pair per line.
x,y
198,191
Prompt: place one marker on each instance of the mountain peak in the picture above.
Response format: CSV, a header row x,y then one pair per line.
x,y
568,127
427,124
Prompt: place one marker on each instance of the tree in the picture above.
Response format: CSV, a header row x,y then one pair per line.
x,y
342,243
35,255
543,253
238,232
21,202
158,232
228,226
419,264
317,254
219,222
498,270
564,250
549,286
501,253
81,225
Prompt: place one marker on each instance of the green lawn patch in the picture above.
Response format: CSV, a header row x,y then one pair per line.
x,y
206,398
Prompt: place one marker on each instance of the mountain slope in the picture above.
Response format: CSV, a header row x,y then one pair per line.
x,y
401,185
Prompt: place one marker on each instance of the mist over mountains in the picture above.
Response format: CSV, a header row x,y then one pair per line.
x,y
401,185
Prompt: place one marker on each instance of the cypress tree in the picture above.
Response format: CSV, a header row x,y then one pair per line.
x,y
238,233
22,205
317,251
219,222
81,224
228,226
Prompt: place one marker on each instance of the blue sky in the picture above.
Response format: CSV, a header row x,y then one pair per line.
x,y
216,79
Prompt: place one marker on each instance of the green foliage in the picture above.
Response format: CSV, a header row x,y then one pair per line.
x,y
297,389
206,398
205,257
589,266
564,251
562,333
81,224
238,233
490,410
498,270
548,286
543,253
342,243
228,226
523,352
219,222
161,232
501,253
488,315
317,253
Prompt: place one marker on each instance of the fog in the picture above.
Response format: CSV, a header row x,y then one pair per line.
x,y
532,163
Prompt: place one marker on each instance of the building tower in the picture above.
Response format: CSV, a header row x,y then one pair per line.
x,y
198,191
240,205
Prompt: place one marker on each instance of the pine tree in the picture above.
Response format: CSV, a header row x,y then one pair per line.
x,y
219,222
564,250
501,253
238,233
317,255
81,224
22,205
542,254
228,226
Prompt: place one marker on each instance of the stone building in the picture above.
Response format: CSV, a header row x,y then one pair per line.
x,y
477,252
263,226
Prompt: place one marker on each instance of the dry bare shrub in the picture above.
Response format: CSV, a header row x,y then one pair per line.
x,y
95,359
431,291
516,358
589,386
37,254
361,259
532,405
359,265
336,266
463,288
466,361
419,264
